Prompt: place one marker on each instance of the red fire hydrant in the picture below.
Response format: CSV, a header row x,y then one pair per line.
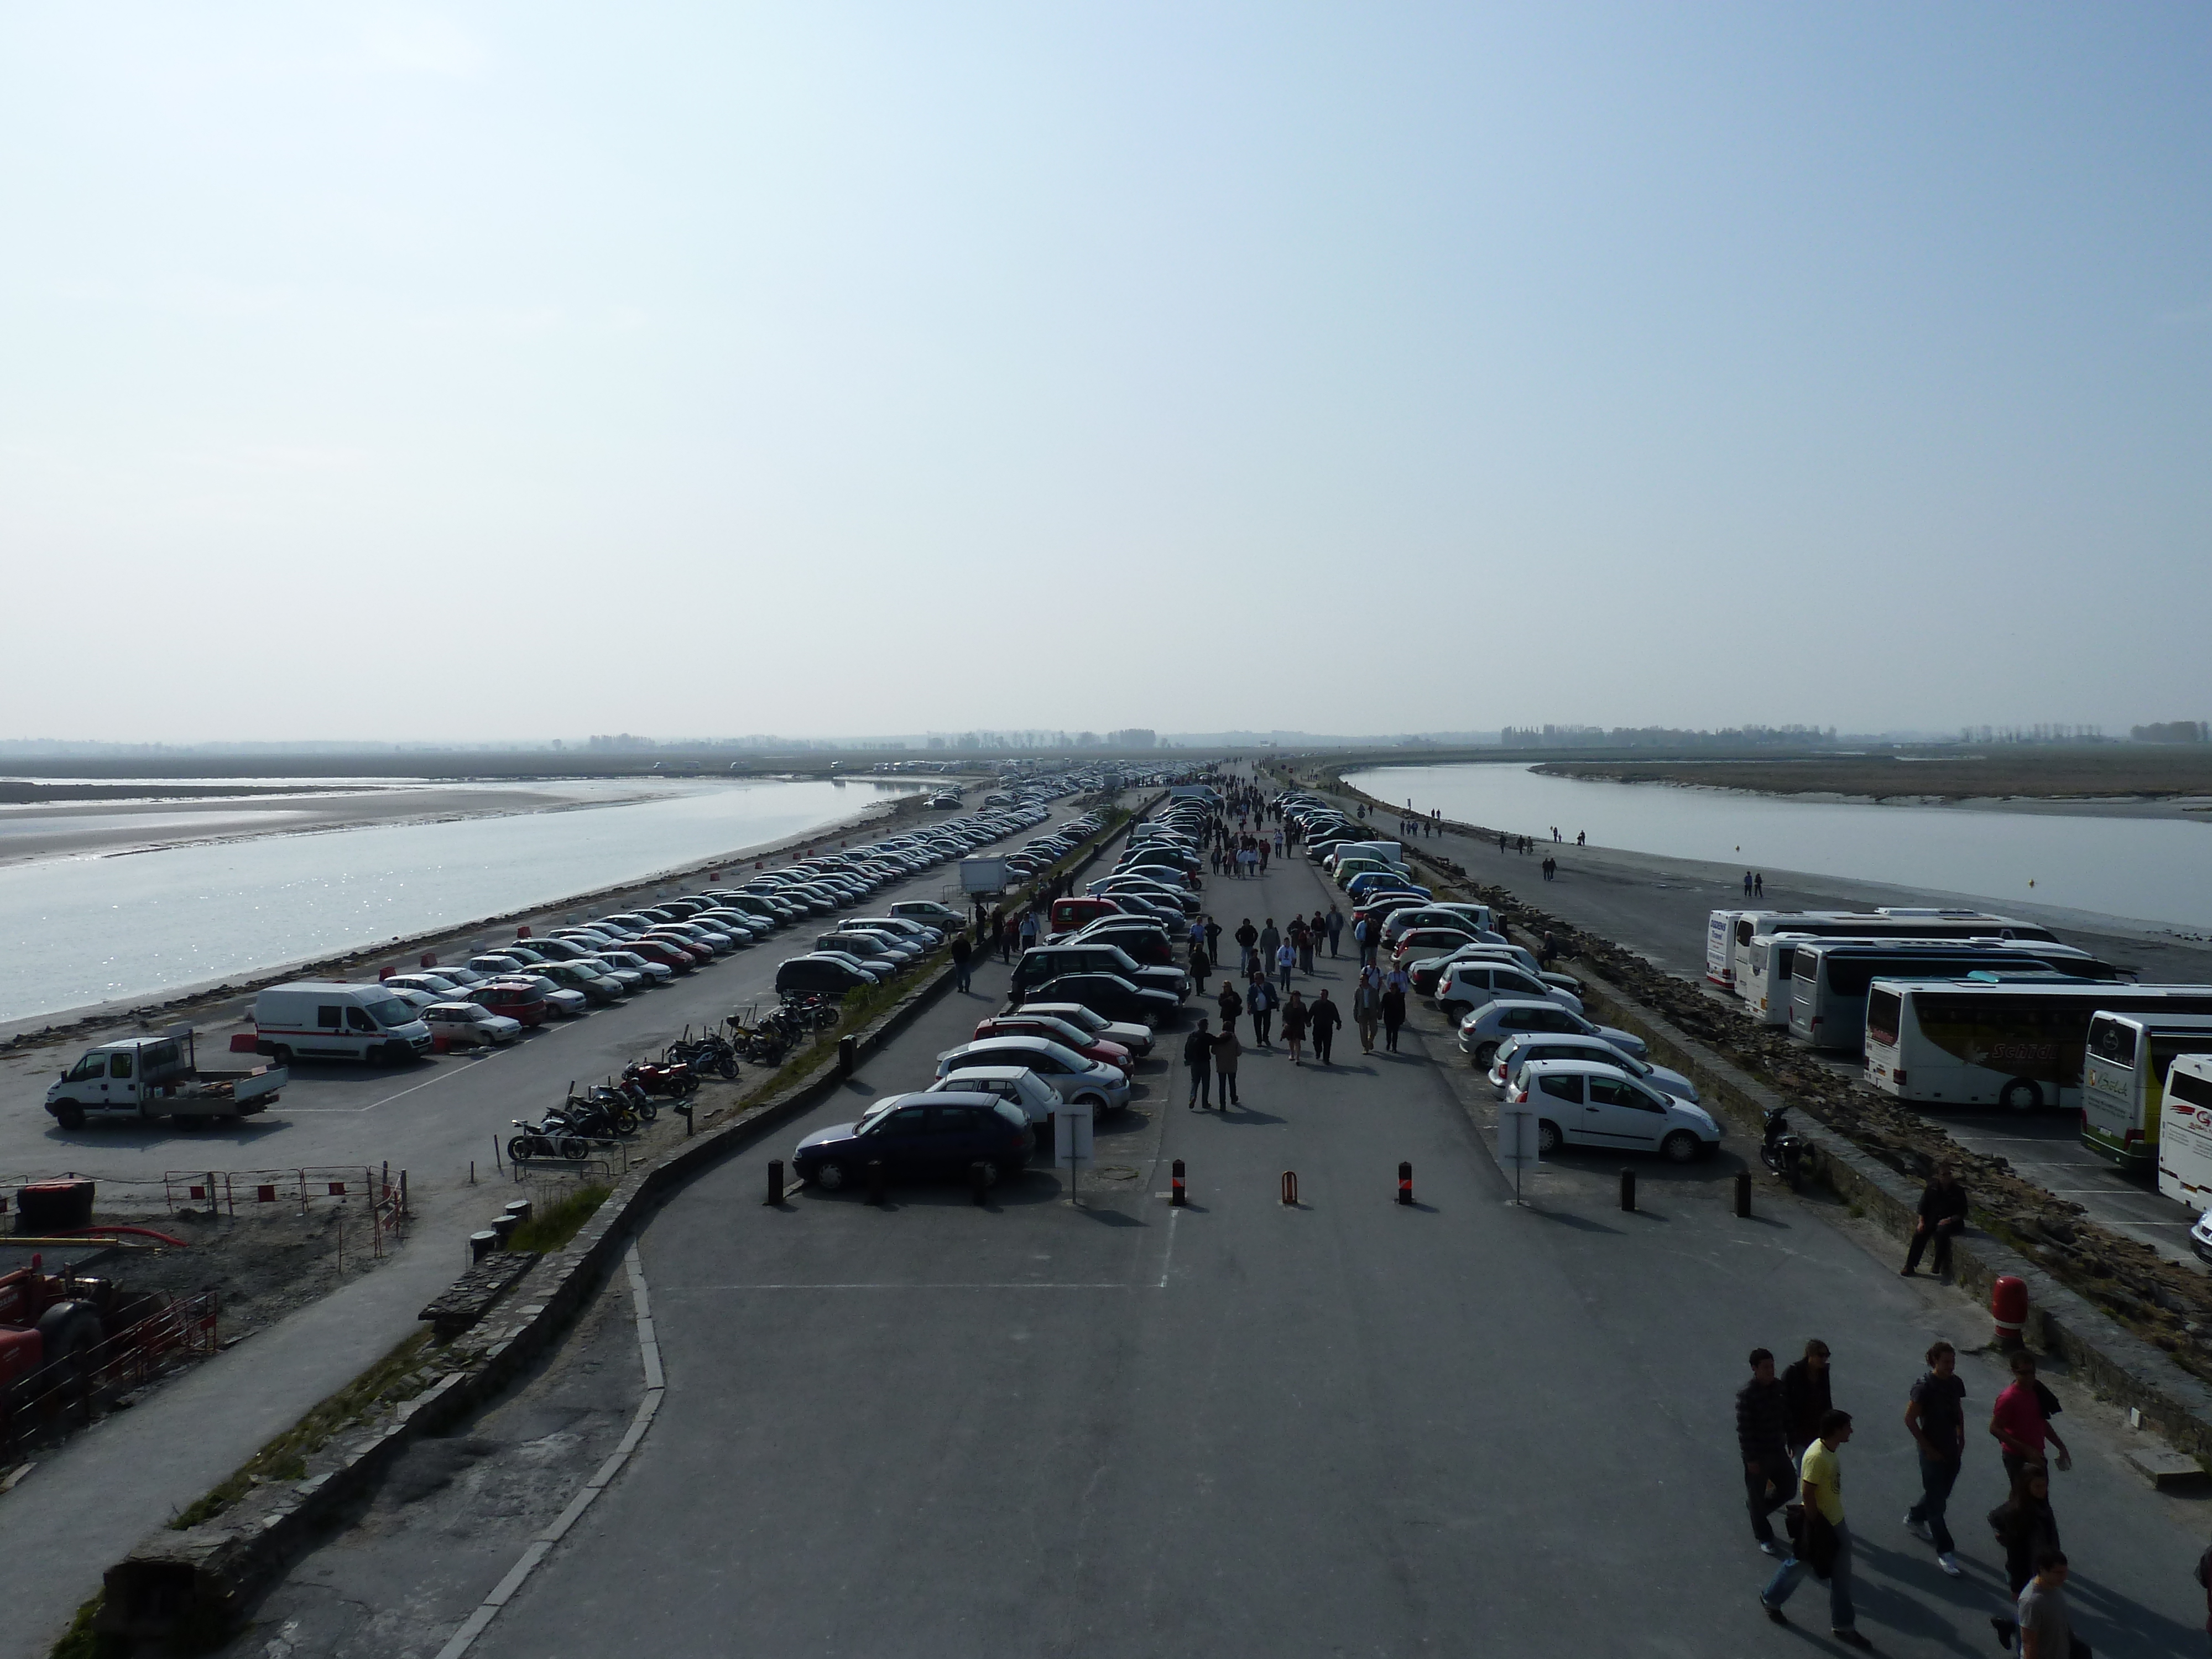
x,y
2008,1308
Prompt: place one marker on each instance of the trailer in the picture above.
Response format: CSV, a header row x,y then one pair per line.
x,y
149,1078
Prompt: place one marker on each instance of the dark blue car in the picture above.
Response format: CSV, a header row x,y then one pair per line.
x,y
919,1136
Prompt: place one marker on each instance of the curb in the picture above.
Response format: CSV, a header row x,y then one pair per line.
x,y
208,1574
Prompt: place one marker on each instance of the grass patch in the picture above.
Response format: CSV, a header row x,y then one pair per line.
x,y
81,1641
550,1228
393,1378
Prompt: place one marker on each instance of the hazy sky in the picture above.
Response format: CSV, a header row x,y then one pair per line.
x,y
491,372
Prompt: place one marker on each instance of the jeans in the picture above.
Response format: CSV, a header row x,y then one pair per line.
x,y
1199,1092
1790,1573
960,975
1227,1083
1937,1476
1324,1038
1766,1489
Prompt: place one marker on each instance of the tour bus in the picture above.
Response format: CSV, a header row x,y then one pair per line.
x,y
1765,988
1885,923
2185,1137
1829,978
1977,1041
2123,1080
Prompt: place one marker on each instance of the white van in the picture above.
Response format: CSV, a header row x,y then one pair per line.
x,y
333,1020
2184,1133
1390,851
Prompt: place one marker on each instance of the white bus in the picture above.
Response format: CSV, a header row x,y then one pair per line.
x,y
2123,1080
1979,1042
1830,977
1765,988
2185,1134
1889,923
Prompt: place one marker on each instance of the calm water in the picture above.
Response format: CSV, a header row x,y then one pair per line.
x,y
2157,870
94,929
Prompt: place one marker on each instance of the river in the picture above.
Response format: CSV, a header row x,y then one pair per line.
x,y
113,927
2151,870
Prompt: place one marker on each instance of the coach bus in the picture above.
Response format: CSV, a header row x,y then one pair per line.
x,y
1744,926
2123,1080
2184,1140
1830,978
1976,1041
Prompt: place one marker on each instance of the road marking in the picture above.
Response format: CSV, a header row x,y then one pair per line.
x,y
1167,1260
648,1348
298,1111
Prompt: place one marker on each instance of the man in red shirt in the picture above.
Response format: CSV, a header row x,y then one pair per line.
x,y
2021,1421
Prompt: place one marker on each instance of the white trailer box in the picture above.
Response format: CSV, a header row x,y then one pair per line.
x,y
2184,1133
986,875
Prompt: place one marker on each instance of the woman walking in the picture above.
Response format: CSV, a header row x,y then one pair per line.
x,y
1296,1016
1231,1006
1394,1015
1226,1048
2025,1527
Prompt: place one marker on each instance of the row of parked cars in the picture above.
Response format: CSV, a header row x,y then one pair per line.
x,y
497,996
1590,1084
1081,1018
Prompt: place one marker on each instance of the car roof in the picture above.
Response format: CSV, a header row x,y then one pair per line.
x,y
1002,1044
1008,1073
935,1097
1586,1068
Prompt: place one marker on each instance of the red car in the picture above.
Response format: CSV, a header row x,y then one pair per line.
x,y
518,999
660,950
1064,1032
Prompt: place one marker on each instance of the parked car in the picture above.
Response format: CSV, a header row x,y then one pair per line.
x,y
1110,996
595,985
1486,1029
1466,986
918,1135
1135,1037
1416,942
1518,1051
1106,1088
1583,1102
469,1026
1067,1034
519,999
1038,1099
930,914
820,975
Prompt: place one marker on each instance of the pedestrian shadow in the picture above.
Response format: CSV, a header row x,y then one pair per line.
x,y
1569,1219
1244,1115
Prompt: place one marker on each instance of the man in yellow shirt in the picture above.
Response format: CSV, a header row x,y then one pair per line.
x,y
1825,1547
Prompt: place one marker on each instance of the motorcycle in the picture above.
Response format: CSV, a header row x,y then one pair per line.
x,y
676,1082
710,1053
1782,1149
552,1139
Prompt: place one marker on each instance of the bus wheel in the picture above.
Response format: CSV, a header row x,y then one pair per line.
x,y
2020,1096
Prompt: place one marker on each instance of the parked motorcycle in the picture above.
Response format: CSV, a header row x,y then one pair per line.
x,y
668,1082
552,1139
1782,1149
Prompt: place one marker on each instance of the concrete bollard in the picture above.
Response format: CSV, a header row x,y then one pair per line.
x,y
481,1244
1405,1183
774,1180
1628,1189
503,1229
1743,1194
519,1208
1290,1186
979,1182
876,1182
1176,1199
848,1055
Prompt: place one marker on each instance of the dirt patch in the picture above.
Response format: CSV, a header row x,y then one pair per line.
x,y
263,1266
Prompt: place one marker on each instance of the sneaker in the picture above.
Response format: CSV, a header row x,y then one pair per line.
x,y
1768,1547
1850,1639
1919,1530
1772,1611
1949,1563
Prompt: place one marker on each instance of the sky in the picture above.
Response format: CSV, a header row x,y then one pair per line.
x,y
506,372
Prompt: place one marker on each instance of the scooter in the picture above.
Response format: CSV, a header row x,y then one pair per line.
x,y
1784,1150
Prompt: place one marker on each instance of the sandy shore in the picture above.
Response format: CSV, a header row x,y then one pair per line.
x,y
70,829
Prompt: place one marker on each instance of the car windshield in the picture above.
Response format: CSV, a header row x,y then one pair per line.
x,y
390,1012
876,1114
585,969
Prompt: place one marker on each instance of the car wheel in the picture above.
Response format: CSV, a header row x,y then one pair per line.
x,y
1485,1054
69,1115
281,1054
830,1175
2020,1096
1454,1011
1093,1101
1548,1137
1680,1147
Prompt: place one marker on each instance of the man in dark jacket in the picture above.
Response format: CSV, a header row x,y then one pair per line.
x,y
961,953
1325,1019
1942,1217
1247,937
1805,1397
1762,1440
1198,1055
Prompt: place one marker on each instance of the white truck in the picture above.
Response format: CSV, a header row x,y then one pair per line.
x,y
148,1078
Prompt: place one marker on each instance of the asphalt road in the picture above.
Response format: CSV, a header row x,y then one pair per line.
x,y
1345,1426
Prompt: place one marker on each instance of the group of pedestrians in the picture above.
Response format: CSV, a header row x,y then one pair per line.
x,y
1379,999
1790,1436
1754,885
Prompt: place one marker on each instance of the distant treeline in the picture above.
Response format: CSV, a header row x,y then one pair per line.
x,y
1666,737
2173,732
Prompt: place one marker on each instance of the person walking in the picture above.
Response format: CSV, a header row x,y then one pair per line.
x,y
1305,941
1335,928
1029,930
1286,960
1200,965
1942,1219
1393,1001
1295,1018
1936,1416
1198,1055
1212,939
1226,1050
1263,855
1826,1551
1002,935
1271,940
2025,1528
962,952
1804,1393
1759,886
1747,884
1260,999
2021,1420
2046,1631
1761,1420
1366,1010
1247,937
1325,1017
1362,935
1231,1005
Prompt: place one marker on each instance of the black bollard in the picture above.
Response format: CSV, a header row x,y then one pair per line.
x,y
848,1055
876,1182
1628,1189
1743,1194
1405,1183
774,1180
1176,1199
979,1182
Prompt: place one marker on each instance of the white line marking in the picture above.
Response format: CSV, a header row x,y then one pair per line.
x,y
648,1350
1167,1259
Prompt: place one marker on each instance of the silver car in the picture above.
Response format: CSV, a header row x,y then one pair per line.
x,y
1485,1030
1075,1079
1518,1051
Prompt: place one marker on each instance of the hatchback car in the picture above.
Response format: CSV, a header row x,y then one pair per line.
x,y
1482,1032
1518,1051
1064,1032
469,1026
1077,1081
1038,1099
1137,1039
918,1135
518,999
820,975
1582,1103
1466,986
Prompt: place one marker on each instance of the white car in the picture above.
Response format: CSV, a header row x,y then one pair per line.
x,y
1038,1099
1074,1079
1466,986
1137,1039
465,1025
1484,1030
1582,1103
1518,1051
